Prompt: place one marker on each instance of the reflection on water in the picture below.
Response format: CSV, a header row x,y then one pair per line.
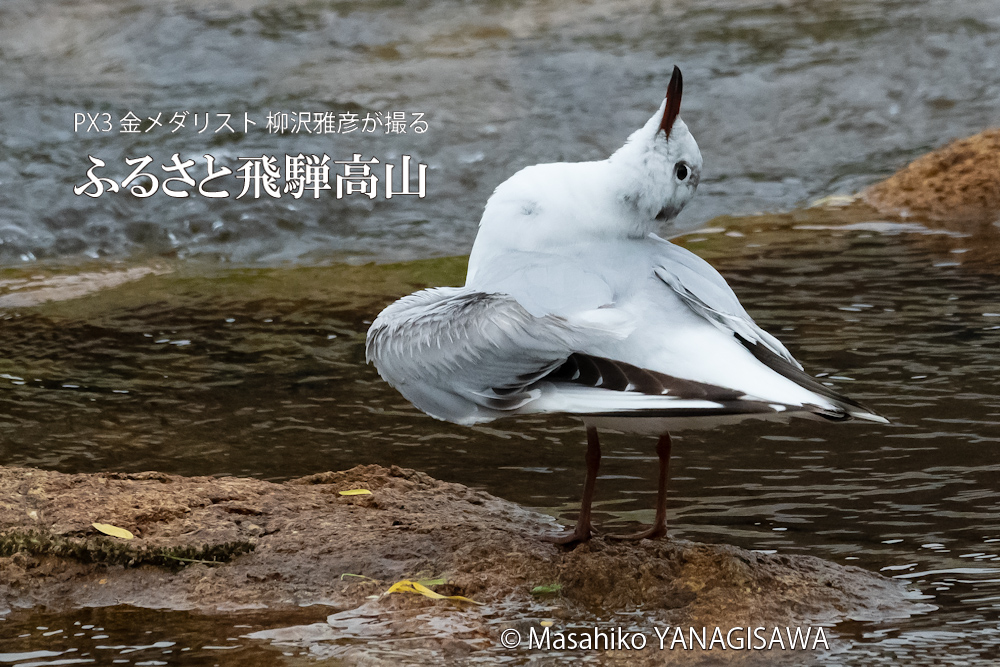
x,y
141,637
260,372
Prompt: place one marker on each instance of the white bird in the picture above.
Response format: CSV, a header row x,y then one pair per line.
x,y
572,304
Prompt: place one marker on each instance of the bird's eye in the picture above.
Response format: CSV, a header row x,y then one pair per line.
x,y
682,171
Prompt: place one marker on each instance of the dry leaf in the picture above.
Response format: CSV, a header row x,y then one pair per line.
x,y
113,531
407,586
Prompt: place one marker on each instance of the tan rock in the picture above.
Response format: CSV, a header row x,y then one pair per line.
x,y
959,182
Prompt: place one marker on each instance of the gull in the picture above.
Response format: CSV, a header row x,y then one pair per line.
x,y
573,305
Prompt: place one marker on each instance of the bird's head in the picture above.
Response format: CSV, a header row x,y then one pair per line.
x,y
662,162
638,190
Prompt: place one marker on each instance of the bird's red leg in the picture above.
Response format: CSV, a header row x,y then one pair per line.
x,y
659,527
584,529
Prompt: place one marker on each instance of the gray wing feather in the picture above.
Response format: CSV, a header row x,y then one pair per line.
x,y
468,356
706,292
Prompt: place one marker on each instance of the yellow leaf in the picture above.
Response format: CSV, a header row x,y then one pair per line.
x,y
407,586
113,531
356,492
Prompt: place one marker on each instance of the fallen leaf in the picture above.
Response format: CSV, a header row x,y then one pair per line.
x,y
407,586
356,492
113,531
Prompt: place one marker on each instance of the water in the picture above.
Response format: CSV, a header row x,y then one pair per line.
x,y
260,372
789,101
206,368
118,635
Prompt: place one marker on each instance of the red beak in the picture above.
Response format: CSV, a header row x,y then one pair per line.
x,y
673,109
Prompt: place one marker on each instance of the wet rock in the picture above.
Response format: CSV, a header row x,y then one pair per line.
x,y
959,182
22,292
255,545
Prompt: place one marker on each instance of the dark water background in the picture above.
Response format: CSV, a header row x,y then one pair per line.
x,y
258,370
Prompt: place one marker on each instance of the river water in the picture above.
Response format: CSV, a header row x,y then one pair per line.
x,y
241,351
790,100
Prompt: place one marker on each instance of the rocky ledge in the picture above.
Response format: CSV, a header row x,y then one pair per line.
x,y
232,545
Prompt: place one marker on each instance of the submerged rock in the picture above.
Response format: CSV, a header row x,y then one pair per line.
x,y
219,545
959,182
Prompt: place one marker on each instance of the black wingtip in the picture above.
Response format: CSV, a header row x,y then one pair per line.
x,y
850,408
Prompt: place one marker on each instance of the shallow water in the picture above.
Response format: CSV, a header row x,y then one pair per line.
x,y
260,372
121,635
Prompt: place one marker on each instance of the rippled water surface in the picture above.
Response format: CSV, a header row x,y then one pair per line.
x,y
789,100
241,350
121,635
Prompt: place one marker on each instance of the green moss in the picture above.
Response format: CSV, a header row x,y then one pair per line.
x,y
117,552
547,589
363,287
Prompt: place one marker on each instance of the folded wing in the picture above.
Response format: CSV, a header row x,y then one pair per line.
x,y
707,293
468,356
